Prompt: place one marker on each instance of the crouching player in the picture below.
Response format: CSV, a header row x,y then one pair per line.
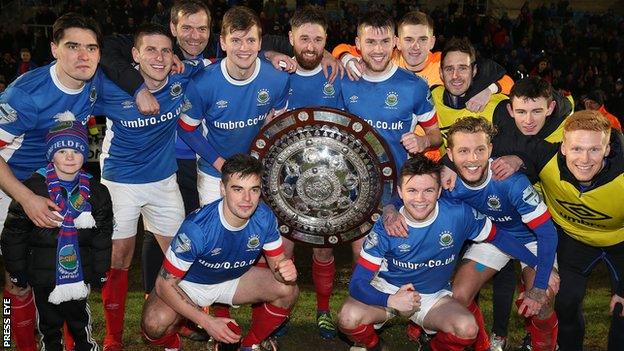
x,y
210,260
416,282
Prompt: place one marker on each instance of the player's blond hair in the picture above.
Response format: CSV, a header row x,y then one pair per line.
x,y
587,120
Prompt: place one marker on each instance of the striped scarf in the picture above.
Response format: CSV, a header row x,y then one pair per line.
x,y
76,213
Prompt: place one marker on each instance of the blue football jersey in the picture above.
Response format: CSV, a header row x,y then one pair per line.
x,y
138,148
30,106
233,111
310,88
392,105
427,257
513,204
207,250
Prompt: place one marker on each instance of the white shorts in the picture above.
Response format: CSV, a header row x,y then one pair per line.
x,y
491,256
207,294
427,301
208,187
159,202
5,201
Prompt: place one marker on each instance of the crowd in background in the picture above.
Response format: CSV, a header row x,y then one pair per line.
x,y
575,51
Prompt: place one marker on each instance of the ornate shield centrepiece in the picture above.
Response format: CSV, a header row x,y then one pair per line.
x,y
326,174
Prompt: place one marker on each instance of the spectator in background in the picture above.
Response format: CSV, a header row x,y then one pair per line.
x,y
25,63
8,67
616,100
595,101
543,70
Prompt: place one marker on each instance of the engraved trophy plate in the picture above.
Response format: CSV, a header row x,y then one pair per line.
x,y
326,174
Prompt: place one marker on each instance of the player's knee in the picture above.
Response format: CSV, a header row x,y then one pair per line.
x,y
465,327
121,257
153,324
349,317
462,295
287,294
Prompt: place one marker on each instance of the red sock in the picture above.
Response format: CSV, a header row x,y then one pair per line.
x,y
114,300
23,312
220,310
23,316
482,342
449,342
170,341
363,334
323,278
543,333
67,338
265,318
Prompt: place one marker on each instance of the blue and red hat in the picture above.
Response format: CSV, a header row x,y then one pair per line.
x,y
67,135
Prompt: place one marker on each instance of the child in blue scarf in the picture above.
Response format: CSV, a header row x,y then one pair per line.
x,y
62,264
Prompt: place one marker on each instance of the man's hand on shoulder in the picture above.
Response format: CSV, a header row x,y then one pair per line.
x,y
478,102
504,166
328,62
353,66
448,178
281,62
178,66
146,102
38,209
394,222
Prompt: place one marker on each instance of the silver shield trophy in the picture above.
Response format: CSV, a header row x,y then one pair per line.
x,y
327,173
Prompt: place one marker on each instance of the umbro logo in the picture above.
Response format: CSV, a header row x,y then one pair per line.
x,y
583,211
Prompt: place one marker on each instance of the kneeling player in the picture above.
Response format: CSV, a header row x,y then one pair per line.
x,y
210,261
416,282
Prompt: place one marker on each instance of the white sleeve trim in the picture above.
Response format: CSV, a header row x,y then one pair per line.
x,y
539,210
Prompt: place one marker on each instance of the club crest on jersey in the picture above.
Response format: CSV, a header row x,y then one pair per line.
x,y
253,243
93,95
405,247
263,97
446,239
493,202
68,257
371,240
222,104
7,114
176,89
328,89
530,196
182,244
392,99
